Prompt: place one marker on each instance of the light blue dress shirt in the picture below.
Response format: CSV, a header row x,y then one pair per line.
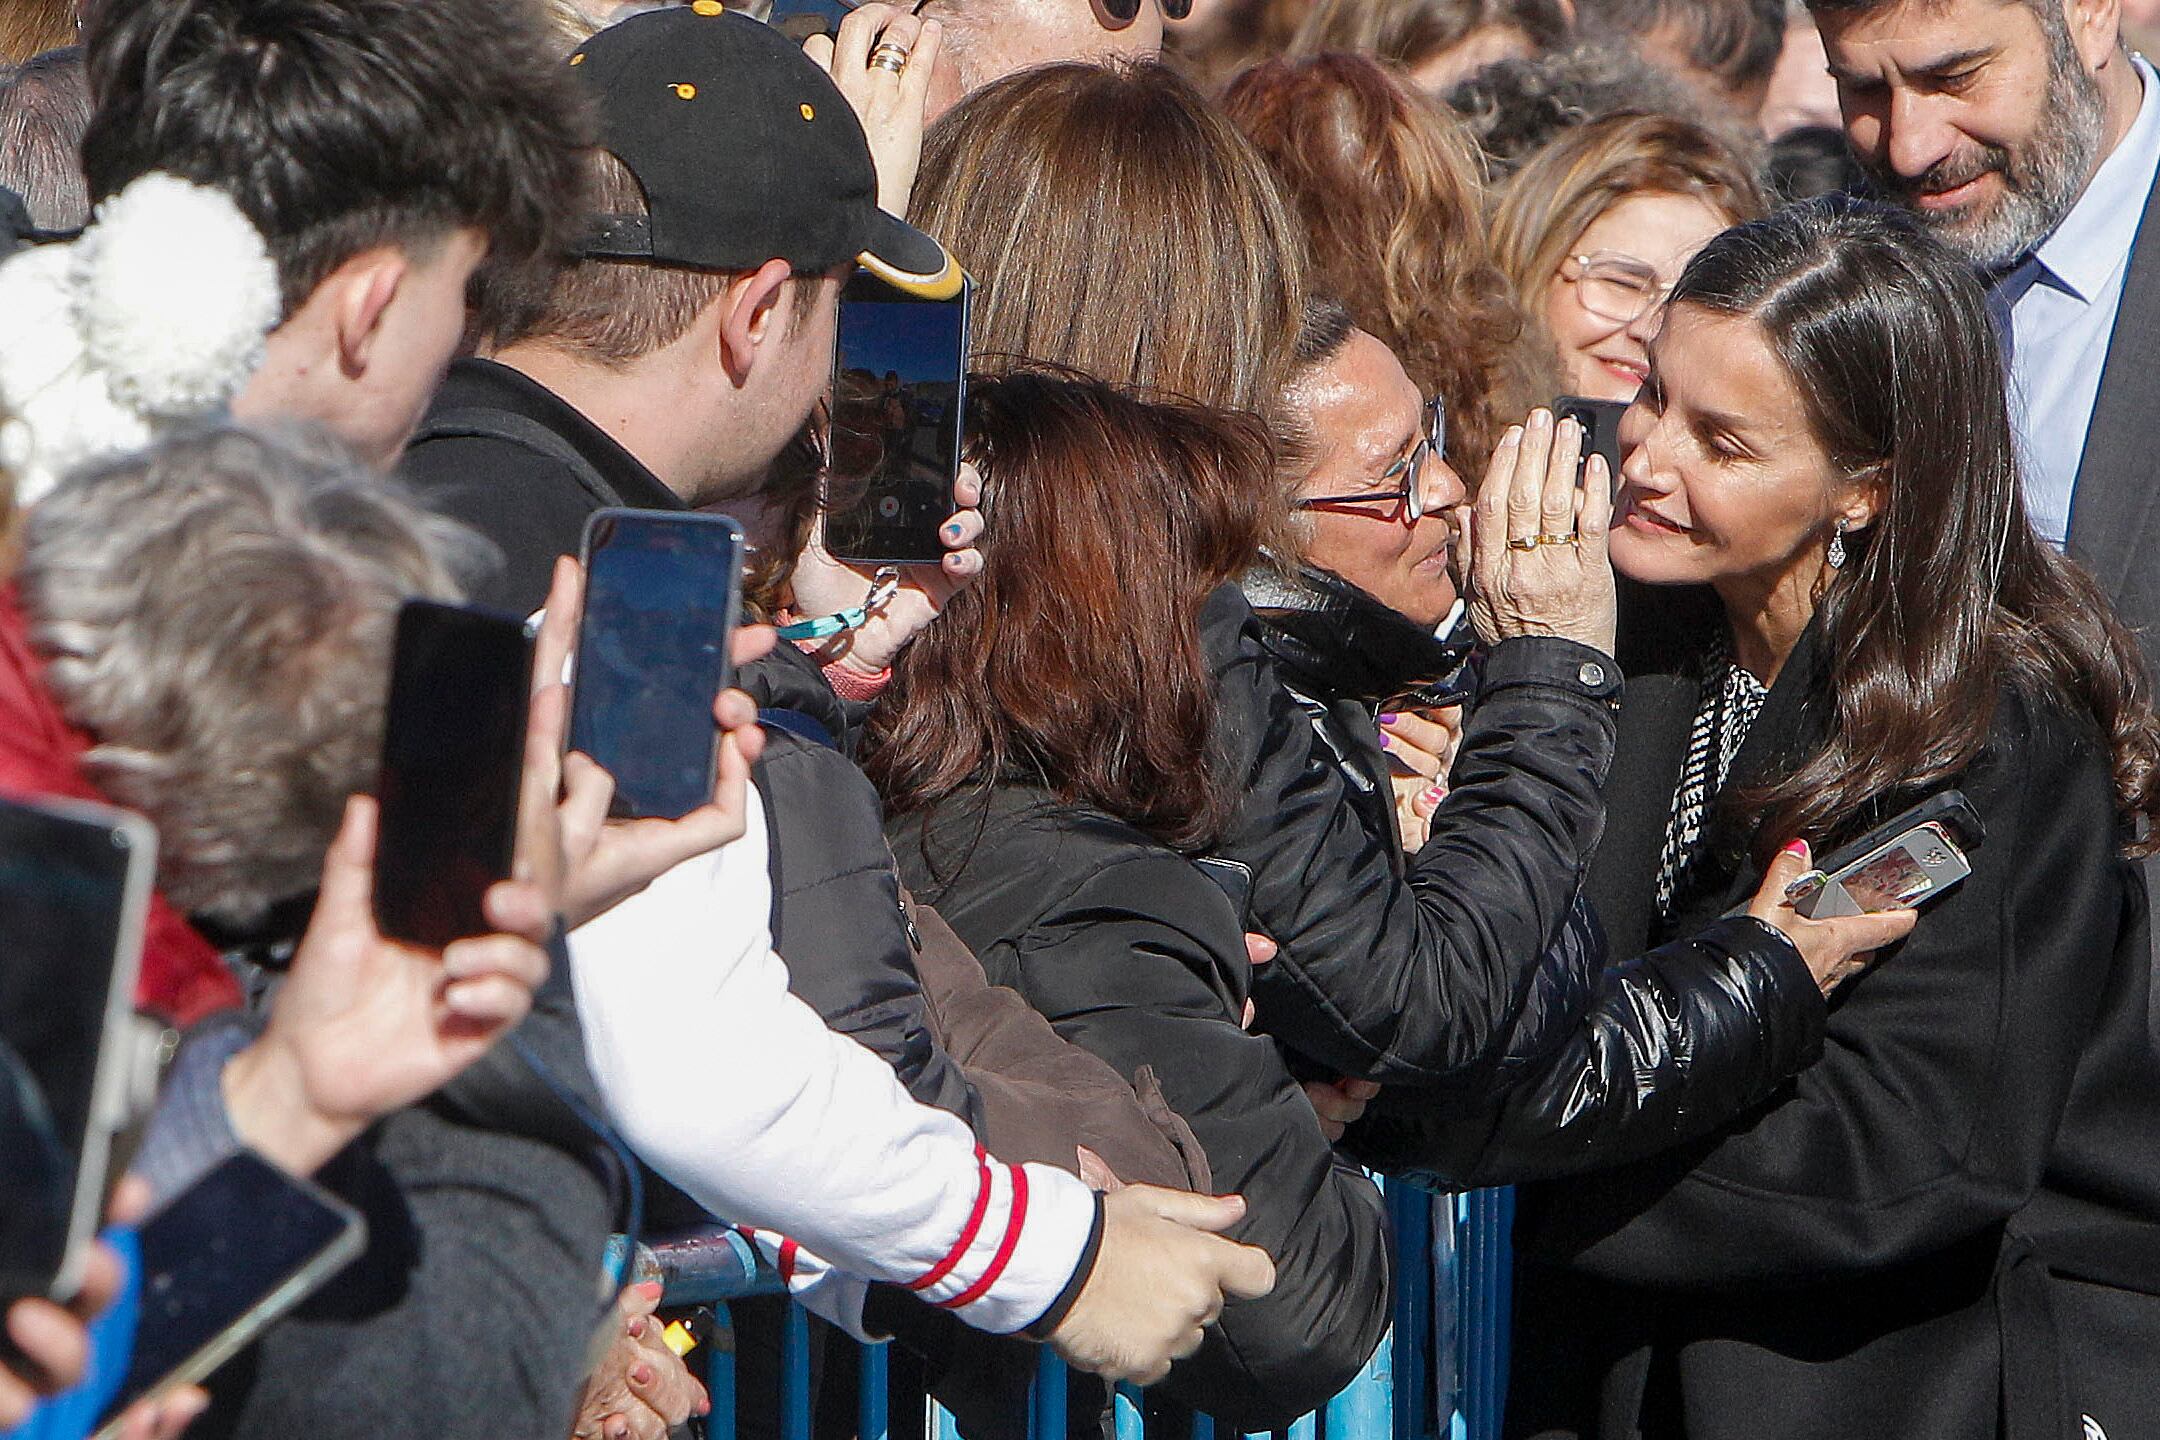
x,y
2062,303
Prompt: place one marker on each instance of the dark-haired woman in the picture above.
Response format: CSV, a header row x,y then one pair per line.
x,y
1042,749
1949,1225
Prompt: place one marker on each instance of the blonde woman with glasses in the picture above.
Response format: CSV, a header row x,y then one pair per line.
x,y
1595,229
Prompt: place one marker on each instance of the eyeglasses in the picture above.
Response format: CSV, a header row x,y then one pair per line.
x,y
1409,472
1617,287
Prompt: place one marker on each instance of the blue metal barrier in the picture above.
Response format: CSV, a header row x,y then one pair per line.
x,y
1440,1373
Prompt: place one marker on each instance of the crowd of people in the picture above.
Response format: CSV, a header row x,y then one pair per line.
x,y
1464,503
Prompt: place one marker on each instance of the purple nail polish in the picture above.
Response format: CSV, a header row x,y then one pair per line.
x,y
1387,742
1389,719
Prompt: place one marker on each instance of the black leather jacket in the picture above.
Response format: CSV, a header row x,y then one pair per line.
x,y
1604,1062
1416,971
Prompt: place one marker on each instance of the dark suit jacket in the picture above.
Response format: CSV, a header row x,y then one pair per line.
x,y
2115,509
1902,1241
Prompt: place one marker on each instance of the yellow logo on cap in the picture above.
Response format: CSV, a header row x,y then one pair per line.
x,y
578,59
684,92
709,7
808,113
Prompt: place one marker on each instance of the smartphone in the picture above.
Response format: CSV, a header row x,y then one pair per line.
x,y
1600,421
452,760
75,882
1902,865
801,19
221,1261
898,397
1234,878
663,595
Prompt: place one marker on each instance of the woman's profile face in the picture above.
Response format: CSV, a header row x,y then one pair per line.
x,y
1603,303
1722,480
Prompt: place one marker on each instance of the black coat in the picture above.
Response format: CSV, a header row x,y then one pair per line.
x,y
1942,1227
1135,954
1611,1062
1418,974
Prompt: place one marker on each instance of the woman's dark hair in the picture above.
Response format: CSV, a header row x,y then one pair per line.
x,y
1074,663
1949,594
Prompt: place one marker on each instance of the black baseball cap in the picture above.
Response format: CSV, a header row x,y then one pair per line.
x,y
747,152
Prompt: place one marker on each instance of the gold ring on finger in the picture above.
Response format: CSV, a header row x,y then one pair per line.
x,y
891,58
1531,543
1548,538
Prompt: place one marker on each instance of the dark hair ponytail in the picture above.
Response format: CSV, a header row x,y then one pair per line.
x,y
1950,594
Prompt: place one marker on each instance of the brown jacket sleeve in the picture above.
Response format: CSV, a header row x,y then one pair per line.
x,y
1042,1098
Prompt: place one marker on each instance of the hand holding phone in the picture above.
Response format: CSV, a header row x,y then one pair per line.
x,y
365,1025
606,861
898,401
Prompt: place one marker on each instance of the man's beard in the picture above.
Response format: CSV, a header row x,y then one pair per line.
x,y
2041,181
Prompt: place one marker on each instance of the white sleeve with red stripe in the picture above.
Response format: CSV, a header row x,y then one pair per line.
x,y
737,1092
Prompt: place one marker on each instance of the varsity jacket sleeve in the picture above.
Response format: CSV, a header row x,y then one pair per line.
x,y
1418,977
737,1093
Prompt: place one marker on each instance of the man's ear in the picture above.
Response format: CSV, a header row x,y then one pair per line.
x,y
2095,28
358,293
750,316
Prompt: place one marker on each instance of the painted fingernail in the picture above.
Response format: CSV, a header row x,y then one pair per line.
x,y
1436,792
1389,719
1798,847
653,1289
952,531
1387,742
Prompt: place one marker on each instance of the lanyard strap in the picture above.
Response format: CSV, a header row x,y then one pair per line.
x,y
883,586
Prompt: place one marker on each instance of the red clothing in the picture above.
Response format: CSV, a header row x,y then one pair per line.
x,y
41,754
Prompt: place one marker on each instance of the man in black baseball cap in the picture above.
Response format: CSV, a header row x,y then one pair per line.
x,y
690,338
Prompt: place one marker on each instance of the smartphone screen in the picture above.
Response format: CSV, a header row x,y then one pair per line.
x,y
233,1252
801,19
453,752
663,595
74,887
898,398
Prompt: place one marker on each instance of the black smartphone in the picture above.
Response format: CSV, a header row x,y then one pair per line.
x,y
221,1261
452,758
75,883
801,19
1600,421
898,399
663,596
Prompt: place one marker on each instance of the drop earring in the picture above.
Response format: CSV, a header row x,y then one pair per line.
x,y
1836,553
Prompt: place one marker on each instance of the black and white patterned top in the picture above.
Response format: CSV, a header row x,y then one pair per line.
x,y
1732,698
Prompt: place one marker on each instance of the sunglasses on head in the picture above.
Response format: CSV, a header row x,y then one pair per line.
x,y
1124,11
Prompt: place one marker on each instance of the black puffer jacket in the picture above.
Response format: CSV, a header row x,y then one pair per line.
x,y
1611,1062
1134,953
1421,973
836,905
